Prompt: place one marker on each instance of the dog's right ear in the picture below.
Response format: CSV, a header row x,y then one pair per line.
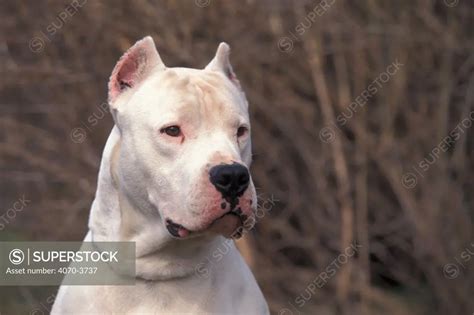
x,y
133,67
221,63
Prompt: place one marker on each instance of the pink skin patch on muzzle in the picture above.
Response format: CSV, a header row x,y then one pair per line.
x,y
229,214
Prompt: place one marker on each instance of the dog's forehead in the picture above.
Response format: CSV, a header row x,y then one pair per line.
x,y
206,91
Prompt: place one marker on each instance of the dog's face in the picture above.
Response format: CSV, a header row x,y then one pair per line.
x,y
185,142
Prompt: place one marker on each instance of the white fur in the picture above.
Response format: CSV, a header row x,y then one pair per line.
x,y
146,176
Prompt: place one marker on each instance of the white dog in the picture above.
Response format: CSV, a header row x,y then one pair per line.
x,y
174,179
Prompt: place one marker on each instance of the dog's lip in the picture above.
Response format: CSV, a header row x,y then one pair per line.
x,y
236,212
229,225
175,229
179,231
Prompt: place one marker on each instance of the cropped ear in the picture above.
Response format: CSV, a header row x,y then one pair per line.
x,y
133,67
221,63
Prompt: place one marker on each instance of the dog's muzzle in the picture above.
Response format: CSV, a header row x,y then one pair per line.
x,y
231,181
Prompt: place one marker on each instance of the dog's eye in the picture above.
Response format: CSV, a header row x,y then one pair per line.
x,y
241,131
172,131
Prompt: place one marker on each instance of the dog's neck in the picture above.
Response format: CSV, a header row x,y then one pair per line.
x,y
115,217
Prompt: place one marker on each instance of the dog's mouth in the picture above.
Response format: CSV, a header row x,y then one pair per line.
x,y
231,225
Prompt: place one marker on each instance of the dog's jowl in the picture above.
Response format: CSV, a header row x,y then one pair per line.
x,y
174,179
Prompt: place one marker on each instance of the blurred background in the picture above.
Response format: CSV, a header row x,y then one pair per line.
x,y
361,113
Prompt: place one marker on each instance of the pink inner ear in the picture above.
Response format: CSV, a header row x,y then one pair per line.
x,y
231,75
125,73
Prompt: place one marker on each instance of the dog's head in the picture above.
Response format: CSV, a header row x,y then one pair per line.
x,y
185,141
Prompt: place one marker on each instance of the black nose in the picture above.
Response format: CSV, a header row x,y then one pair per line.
x,y
230,179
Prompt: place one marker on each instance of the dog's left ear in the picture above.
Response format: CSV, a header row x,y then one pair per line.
x,y
221,62
133,68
